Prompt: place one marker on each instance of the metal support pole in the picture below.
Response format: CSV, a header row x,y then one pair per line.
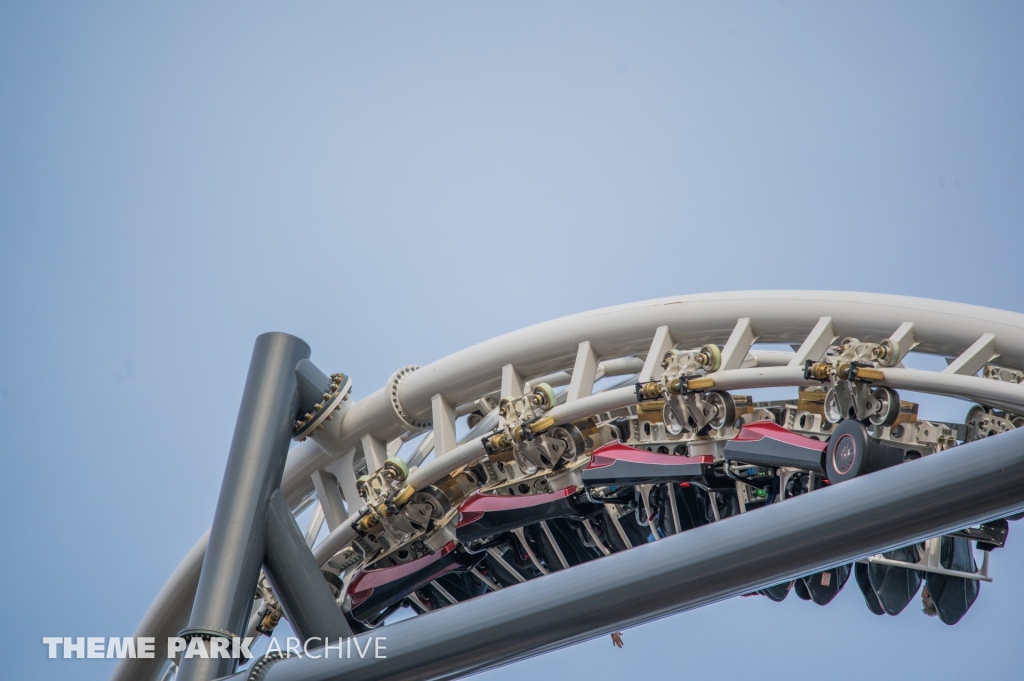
x,y
254,469
884,510
307,600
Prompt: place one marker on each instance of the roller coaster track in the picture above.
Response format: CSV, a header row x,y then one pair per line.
x,y
687,356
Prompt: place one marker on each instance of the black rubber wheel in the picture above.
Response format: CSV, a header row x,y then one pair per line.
x,y
852,452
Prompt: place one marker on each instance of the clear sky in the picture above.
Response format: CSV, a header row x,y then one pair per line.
x,y
395,182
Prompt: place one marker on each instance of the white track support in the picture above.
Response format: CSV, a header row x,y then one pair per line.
x,y
767,358
973,358
941,328
904,337
616,367
661,344
511,382
423,450
584,372
998,394
331,501
394,446
622,366
315,522
932,327
443,413
555,380
344,470
738,345
374,452
816,343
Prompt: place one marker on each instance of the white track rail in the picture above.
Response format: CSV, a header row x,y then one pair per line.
x,y
969,336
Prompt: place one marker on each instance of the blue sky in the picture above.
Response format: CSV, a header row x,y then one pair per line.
x,y
394,183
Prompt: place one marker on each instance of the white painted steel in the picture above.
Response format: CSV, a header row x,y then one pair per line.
x,y
443,417
816,343
904,338
998,394
785,317
941,328
660,345
975,357
169,612
584,373
740,341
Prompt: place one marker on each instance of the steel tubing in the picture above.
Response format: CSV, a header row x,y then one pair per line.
x,y
878,512
296,578
940,327
1000,394
777,316
255,465
166,616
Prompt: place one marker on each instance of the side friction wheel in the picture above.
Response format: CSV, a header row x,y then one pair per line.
x,y
852,452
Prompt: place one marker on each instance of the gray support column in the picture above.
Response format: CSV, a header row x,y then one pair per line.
x,y
877,512
296,579
255,465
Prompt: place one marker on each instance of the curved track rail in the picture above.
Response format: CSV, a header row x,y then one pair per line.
x,y
622,340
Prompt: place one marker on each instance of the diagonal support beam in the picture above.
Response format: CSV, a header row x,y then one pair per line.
x,y
344,470
512,384
331,501
316,522
296,578
816,343
374,451
904,337
738,345
975,357
661,344
443,414
584,372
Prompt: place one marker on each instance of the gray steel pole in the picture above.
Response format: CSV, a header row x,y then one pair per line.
x,y
907,503
307,600
255,465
